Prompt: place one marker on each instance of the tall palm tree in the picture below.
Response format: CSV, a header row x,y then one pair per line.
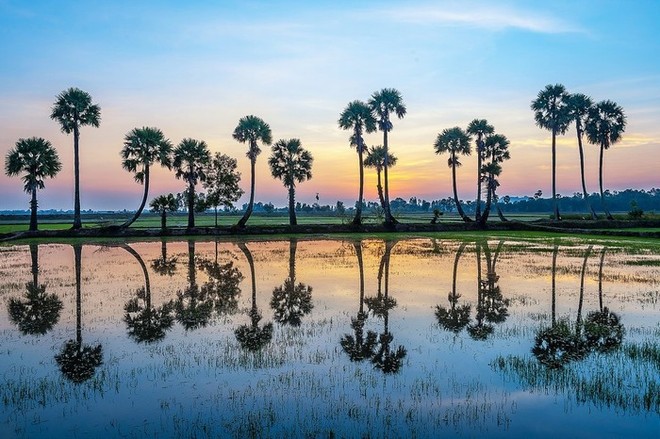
x,y
252,130
495,151
190,160
606,122
357,116
73,109
456,142
142,148
376,159
551,113
382,104
291,163
578,108
37,159
481,129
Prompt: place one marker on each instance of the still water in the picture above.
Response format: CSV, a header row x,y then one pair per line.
x,y
330,338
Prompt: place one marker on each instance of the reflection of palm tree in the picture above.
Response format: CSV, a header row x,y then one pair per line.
x,y
357,347
603,329
77,361
290,301
456,317
222,286
40,311
145,322
192,308
385,358
482,328
252,337
164,265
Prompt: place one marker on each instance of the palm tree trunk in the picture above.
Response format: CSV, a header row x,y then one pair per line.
x,y
358,253
584,184
216,216
582,273
33,210
192,274
191,205
77,223
379,186
248,256
292,206
600,279
489,201
600,181
389,219
457,258
500,214
554,283
453,179
163,219
477,216
248,211
554,172
145,273
144,198
358,209
77,256
34,256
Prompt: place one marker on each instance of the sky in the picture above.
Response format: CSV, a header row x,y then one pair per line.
x,y
194,68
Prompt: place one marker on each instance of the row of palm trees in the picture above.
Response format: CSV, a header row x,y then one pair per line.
x,y
554,109
603,123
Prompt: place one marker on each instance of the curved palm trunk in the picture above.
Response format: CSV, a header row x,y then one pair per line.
x,y
357,220
379,186
248,256
389,219
292,206
453,180
578,323
248,211
144,200
554,172
145,273
584,184
489,201
77,223
33,210
477,216
191,205
500,213
457,258
77,256
600,180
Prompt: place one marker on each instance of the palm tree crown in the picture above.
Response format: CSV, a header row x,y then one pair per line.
x,y
578,109
385,102
551,109
252,130
290,162
454,141
376,158
606,123
479,128
74,109
142,148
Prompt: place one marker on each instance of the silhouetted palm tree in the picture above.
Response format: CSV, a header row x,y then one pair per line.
x,y
192,307
383,103
190,160
221,183
495,151
456,142
222,286
376,159
77,361
73,109
456,317
551,113
291,301
36,159
143,147
40,311
163,204
145,322
357,116
480,128
164,265
252,130
291,163
356,345
605,125
252,337
578,108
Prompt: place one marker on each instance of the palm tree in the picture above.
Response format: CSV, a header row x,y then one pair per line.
x,y
37,159
605,125
357,116
456,142
193,307
495,151
252,130
291,301
164,265
190,160
455,318
291,163
382,103
551,113
163,204
376,159
142,148
578,108
479,128
73,109
222,285
222,183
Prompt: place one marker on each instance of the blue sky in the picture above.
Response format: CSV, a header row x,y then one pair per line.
x,y
194,69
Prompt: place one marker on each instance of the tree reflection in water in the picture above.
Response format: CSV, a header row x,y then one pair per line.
x,y
251,337
357,347
193,307
222,285
291,301
165,266
77,361
456,317
145,322
39,312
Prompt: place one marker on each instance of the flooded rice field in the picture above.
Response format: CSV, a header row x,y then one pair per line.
x,y
330,338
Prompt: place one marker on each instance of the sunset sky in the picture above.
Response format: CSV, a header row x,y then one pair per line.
x,y
193,69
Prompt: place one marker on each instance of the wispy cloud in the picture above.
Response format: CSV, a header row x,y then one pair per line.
x,y
489,17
